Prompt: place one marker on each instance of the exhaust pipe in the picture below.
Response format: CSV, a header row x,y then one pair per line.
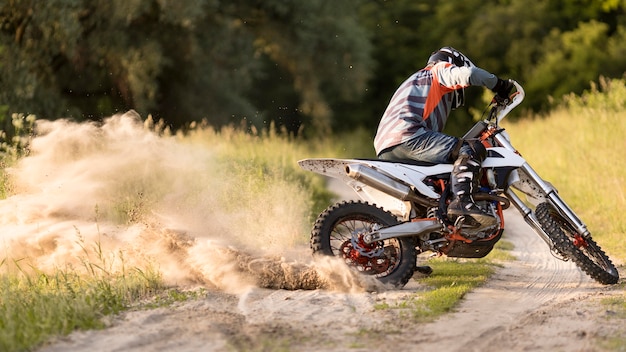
x,y
386,184
378,181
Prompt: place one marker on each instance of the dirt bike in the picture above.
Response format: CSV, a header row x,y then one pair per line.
x,y
403,206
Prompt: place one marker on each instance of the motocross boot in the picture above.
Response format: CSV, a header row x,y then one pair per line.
x,y
464,182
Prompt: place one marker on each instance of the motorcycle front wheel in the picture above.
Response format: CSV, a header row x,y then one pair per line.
x,y
587,255
339,230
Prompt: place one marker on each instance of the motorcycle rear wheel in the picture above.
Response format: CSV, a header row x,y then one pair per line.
x,y
338,232
587,255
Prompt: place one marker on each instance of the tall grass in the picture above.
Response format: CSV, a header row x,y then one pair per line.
x,y
262,158
36,304
580,148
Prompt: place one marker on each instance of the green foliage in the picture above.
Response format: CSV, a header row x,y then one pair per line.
x,y
576,58
609,95
183,61
14,147
326,54
311,67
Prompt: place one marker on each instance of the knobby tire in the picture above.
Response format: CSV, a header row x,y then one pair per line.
x,y
588,256
340,221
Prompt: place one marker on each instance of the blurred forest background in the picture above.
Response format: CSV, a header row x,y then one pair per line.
x,y
311,67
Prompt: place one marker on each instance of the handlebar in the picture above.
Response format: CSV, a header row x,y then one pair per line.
x,y
514,100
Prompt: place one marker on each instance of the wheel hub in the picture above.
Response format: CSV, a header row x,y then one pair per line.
x,y
366,257
579,241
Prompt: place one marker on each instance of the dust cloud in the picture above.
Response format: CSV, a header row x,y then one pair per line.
x,y
120,195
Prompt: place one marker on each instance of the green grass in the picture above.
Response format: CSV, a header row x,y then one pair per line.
x,y
35,306
580,149
450,281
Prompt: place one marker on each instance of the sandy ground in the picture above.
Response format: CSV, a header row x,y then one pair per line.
x,y
536,303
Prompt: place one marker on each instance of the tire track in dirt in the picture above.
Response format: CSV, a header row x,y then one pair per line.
x,y
508,312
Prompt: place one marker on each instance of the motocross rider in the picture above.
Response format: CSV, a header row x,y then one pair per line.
x,y
411,127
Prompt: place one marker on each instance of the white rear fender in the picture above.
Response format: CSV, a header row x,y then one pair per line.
x,y
411,175
380,182
336,168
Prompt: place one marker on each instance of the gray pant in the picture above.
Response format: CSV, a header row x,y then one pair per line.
x,y
430,146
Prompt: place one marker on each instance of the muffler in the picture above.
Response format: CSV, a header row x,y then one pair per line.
x,y
378,181
386,184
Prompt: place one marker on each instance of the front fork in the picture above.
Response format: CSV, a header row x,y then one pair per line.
x,y
529,217
551,195
557,202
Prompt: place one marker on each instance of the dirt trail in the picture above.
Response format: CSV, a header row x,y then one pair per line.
x,y
536,303
190,226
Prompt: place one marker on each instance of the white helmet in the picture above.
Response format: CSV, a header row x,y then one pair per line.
x,y
451,55
455,57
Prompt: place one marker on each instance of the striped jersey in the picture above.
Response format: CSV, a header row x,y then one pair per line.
x,y
424,101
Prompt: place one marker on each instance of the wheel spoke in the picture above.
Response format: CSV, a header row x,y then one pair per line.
x,y
339,231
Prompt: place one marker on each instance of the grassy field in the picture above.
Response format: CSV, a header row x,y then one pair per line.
x,y
578,148
36,305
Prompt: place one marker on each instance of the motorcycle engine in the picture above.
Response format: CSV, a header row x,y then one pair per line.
x,y
473,230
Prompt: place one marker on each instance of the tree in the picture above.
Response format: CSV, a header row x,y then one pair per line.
x,y
179,60
576,58
512,38
327,65
318,45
